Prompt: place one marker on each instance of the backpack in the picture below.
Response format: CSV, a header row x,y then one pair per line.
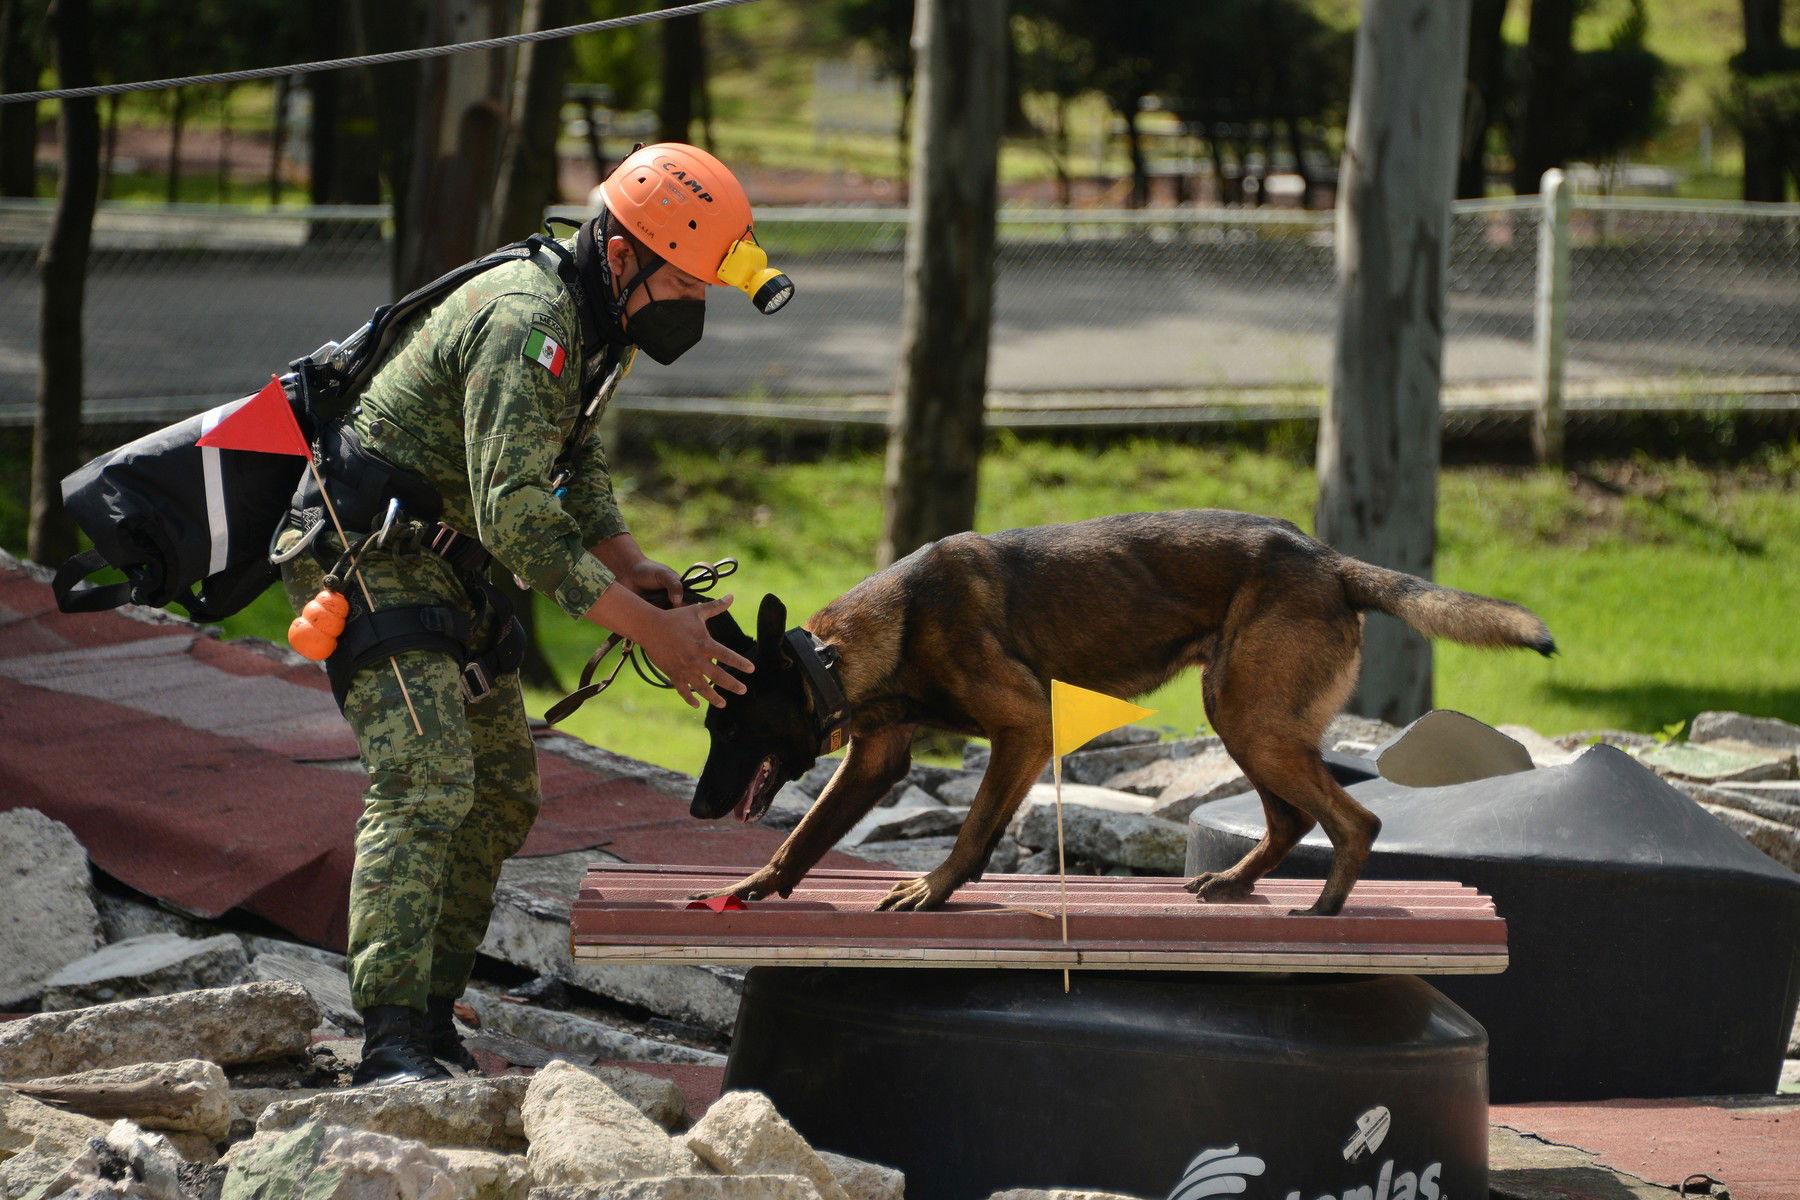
x,y
191,525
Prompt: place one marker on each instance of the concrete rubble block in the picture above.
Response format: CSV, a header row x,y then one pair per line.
x,y
156,964
658,1099
48,917
1118,839
865,1180
1043,796
124,916
127,1162
1167,778
327,985
1767,804
481,1114
742,1134
709,1187
905,821
256,945
245,1023
37,1141
191,1095
582,1133
576,1034
1097,766
249,1103
925,854
318,1161
1717,763
1522,1166
1778,840
1767,732
530,929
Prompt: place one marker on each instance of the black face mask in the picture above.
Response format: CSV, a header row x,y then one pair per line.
x,y
667,329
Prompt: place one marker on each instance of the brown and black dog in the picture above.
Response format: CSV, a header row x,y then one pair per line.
x,y
966,633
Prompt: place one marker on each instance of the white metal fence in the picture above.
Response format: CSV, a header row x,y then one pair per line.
x,y
1102,318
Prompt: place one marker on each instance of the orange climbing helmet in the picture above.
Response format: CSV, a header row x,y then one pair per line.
x,y
690,210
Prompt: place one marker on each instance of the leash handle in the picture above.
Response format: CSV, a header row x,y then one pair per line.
x,y
696,581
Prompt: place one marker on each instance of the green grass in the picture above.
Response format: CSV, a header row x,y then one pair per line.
x,y
1670,588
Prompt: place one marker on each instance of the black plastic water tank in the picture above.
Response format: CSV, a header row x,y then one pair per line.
x,y
972,1081
1653,951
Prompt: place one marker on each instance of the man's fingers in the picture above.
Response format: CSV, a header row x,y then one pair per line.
x,y
712,608
725,656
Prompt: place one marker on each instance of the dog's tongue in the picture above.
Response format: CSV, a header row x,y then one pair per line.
x,y
742,811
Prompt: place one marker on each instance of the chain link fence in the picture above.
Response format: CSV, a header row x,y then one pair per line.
x,y
1102,318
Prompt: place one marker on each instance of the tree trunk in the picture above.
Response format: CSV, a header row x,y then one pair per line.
x,y
447,206
62,269
1379,438
527,183
682,62
177,117
1140,173
1480,96
1764,166
19,68
1549,47
935,433
596,152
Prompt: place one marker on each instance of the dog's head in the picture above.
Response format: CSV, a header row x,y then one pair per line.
x,y
763,738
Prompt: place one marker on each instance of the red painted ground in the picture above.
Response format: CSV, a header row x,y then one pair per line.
x,y
1750,1144
192,769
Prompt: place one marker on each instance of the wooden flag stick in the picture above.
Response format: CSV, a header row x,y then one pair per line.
x,y
1062,874
356,570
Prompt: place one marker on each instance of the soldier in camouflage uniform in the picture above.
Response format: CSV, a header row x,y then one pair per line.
x,y
477,397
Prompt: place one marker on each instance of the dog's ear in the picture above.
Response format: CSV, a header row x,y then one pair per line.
x,y
725,630
771,623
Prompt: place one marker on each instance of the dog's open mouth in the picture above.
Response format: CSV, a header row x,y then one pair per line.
x,y
758,795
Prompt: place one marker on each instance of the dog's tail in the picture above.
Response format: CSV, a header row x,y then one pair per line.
x,y
1442,612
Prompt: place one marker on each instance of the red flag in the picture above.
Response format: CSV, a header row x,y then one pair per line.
x,y
719,903
266,423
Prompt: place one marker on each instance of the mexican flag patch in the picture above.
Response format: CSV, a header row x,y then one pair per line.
x,y
546,351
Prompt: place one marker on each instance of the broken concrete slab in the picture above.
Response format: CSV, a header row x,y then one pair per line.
x,y
327,985
37,1141
191,1095
1171,778
1746,798
245,1023
1522,1166
904,821
1767,732
530,929
865,1180
481,1114
157,964
256,944
1112,835
149,1165
127,915
324,1162
582,1133
742,1134
48,917
578,1034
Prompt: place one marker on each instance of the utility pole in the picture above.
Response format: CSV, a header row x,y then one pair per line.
x,y
1379,439
936,429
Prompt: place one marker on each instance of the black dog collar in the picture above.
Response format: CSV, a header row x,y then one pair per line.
x,y
830,707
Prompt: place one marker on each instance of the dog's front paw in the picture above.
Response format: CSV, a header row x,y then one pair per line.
x,y
1218,887
763,884
915,895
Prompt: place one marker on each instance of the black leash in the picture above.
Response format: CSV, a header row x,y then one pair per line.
x,y
696,581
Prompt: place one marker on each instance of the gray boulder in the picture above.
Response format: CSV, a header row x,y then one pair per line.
x,y
246,1023
47,914
1110,836
905,821
157,964
1767,732
124,916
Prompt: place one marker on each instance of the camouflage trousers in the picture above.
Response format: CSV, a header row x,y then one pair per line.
x,y
448,801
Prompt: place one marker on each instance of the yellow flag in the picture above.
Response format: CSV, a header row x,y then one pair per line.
x,y
1078,715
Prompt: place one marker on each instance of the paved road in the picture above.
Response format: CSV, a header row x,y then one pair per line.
x,y
170,334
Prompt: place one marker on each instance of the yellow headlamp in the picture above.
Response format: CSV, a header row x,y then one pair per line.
x,y
746,268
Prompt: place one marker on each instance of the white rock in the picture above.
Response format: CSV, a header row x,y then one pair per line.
x,y
37,1141
327,985
325,1162
709,1187
157,964
147,1160
865,1180
582,1133
191,1095
248,1022
47,913
482,1114
742,1134
1544,751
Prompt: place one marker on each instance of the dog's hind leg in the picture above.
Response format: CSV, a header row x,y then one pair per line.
x,y
1018,758
1286,825
873,763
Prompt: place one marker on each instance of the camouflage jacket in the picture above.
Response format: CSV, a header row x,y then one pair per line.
x,y
477,396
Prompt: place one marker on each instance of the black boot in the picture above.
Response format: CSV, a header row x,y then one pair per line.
x,y
440,1034
394,1048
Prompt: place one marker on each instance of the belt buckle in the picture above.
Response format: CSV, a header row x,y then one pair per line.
x,y
476,682
443,540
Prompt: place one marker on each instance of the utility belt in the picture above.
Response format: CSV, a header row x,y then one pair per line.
x,y
368,492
